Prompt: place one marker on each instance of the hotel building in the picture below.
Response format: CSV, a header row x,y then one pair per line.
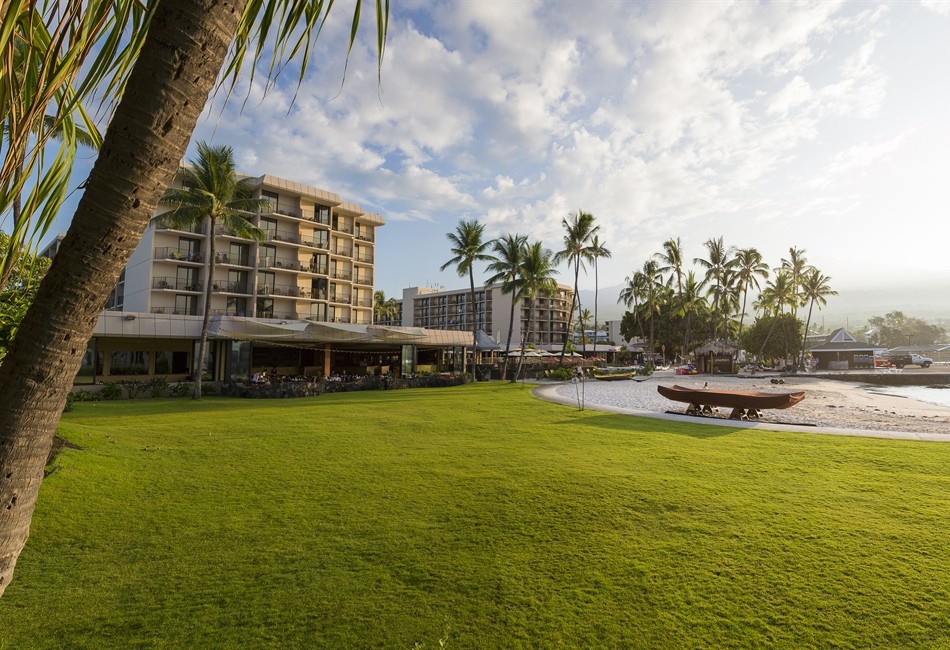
x,y
450,310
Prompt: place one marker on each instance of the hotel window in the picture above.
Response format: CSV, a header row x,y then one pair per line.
x,y
269,226
265,282
268,255
272,197
186,305
237,306
238,254
128,362
265,307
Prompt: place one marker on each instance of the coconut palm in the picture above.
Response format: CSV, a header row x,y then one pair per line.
x,y
773,299
716,265
633,292
579,229
506,266
671,260
691,300
749,268
212,195
468,247
384,308
816,291
537,279
597,250
583,317
796,264
172,57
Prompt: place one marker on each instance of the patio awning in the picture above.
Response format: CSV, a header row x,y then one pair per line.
x,y
304,332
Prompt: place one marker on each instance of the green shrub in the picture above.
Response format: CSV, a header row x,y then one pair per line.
x,y
560,374
133,387
181,389
158,386
111,391
70,398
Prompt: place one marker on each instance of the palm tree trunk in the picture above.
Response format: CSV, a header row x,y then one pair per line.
x,y
168,87
206,314
511,326
471,281
596,292
524,342
801,361
570,316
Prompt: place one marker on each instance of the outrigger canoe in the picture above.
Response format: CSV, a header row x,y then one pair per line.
x,y
613,376
745,404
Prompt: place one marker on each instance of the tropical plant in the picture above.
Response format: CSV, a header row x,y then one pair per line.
x,y
796,265
597,251
583,317
749,268
506,269
777,294
632,293
537,279
183,50
815,290
212,194
716,264
671,260
468,247
579,229
18,293
384,309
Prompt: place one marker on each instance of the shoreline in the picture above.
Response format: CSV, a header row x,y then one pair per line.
x,y
830,405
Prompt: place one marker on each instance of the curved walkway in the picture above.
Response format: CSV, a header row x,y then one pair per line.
x,y
549,392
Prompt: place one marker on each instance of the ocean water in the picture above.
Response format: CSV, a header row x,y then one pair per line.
x,y
938,396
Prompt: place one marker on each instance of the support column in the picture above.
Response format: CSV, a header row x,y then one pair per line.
x,y
326,360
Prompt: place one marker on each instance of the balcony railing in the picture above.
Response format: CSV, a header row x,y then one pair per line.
x,y
278,290
340,298
338,319
275,315
347,229
224,231
365,237
227,258
176,312
229,312
365,302
342,250
341,275
196,229
288,263
363,279
177,254
366,259
229,287
176,284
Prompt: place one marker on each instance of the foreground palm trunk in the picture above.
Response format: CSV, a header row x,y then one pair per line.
x,y
147,138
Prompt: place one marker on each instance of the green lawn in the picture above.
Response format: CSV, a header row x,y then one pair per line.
x,y
478,515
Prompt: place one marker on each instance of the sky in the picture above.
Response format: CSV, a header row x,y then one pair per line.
x,y
818,125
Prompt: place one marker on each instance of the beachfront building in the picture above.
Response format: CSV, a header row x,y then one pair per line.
x,y
298,303
842,351
450,310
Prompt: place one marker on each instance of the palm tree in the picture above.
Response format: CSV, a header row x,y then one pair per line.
x,y
796,265
774,297
506,266
816,291
537,279
597,251
383,308
632,293
583,317
691,299
671,259
749,268
212,194
716,266
178,55
468,248
579,229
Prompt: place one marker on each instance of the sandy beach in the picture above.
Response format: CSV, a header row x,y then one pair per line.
x,y
828,403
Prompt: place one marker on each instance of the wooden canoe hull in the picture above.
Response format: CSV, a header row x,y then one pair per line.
x,y
614,377
734,399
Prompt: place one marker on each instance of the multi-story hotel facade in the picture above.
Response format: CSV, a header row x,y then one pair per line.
x,y
450,310
316,262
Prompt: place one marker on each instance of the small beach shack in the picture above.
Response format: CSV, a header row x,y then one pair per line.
x,y
842,351
715,356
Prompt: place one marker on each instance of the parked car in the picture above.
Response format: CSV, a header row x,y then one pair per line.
x,y
901,360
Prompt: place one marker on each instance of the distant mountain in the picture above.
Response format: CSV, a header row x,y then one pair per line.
x,y
850,308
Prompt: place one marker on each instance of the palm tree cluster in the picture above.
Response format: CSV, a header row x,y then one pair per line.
x,y
674,305
525,270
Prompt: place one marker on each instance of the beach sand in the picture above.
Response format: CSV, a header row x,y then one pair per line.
x,y
828,403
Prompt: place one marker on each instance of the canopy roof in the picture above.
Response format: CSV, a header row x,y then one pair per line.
x,y
309,332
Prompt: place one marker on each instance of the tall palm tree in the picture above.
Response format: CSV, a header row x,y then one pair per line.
x,y
796,265
671,260
749,268
597,251
212,194
691,300
175,57
633,292
506,267
583,317
716,265
537,279
383,308
777,293
816,290
468,247
579,229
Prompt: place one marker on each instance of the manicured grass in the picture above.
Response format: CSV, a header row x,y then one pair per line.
x,y
478,515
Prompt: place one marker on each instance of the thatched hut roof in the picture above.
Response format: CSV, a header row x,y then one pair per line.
x,y
718,347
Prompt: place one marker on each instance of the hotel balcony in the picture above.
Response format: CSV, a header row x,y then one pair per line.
x,y
175,284
278,290
340,298
363,279
196,230
178,255
176,312
230,287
